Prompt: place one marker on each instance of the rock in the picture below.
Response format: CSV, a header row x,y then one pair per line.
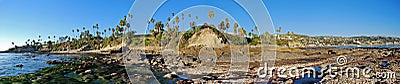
x,y
331,52
290,81
19,65
88,71
114,74
53,62
209,78
171,75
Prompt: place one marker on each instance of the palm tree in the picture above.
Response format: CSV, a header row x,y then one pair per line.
x,y
221,26
77,31
96,27
267,33
118,29
235,27
123,22
211,15
159,27
279,29
73,31
242,31
177,19
256,28
152,20
105,32
227,25
98,34
87,32
193,25
183,16
113,30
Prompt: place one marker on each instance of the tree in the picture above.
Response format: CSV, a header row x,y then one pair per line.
x,y
183,16
105,31
227,25
118,29
235,27
167,25
242,31
267,33
221,26
123,24
153,33
193,25
73,31
96,27
279,29
292,33
98,33
77,31
211,15
87,32
158,27
113,30
177,19
152,20
256,28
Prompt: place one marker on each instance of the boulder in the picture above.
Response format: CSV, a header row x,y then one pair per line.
x,y
171,75
114,74
209,78
19,65
53,62
331,52
88,71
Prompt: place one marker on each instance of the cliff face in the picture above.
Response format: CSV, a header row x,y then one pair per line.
x,y
193,41
206,37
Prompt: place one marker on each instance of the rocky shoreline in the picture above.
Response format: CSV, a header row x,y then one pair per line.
x,y
112,68
84,69
318,58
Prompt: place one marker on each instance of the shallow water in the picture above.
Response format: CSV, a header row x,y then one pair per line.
x,y
31,63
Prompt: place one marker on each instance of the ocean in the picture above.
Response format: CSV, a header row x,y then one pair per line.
x,y
31,63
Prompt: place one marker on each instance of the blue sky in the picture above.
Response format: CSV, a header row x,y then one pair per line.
x,y
20,20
